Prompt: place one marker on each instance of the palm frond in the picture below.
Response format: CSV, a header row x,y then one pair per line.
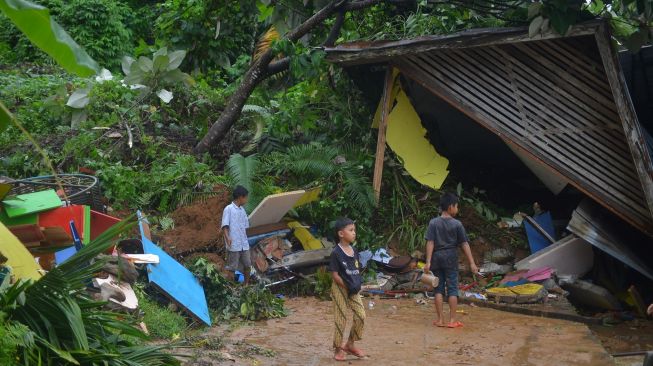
x,y
357,188
262,114
261,111
265,42
314,160
242,169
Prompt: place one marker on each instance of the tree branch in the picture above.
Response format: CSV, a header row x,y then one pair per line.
x,y
278,66
335,29
256,73
361,4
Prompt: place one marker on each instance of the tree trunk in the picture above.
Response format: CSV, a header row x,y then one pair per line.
x,y
261,69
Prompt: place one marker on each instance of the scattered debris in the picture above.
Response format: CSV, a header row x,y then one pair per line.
x,y
570,255
591,295
540,231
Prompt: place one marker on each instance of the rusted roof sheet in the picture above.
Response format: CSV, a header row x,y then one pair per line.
x,y
560,100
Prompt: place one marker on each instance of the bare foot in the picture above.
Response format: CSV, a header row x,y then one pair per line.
x,y
438,323
340,355
352,350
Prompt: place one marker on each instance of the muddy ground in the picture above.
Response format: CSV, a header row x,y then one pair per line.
x,y
399,332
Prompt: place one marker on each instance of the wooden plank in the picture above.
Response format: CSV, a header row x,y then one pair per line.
x,y
383,51
274,207
409,69
584,96
632,128
431,70
607,155
567,100
380,141
577,62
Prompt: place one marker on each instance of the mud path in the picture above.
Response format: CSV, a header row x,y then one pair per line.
x,y
399,332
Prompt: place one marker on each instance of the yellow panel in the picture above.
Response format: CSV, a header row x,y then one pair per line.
x,y
311,195
406,137
500,291
22,264
309,242
393,95
527,289
4,189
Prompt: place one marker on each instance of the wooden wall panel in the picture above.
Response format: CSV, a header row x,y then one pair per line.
x,y
550,97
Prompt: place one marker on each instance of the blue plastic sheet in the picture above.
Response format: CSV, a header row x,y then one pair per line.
x,y
174,279
536,240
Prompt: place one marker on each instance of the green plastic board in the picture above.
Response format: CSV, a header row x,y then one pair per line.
x,y
30,203
87,225
31,219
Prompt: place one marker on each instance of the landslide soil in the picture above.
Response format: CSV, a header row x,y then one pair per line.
x,y
197,226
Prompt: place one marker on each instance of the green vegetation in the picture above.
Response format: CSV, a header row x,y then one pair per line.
x,y
161,322
229,301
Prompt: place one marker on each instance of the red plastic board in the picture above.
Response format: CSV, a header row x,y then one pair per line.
x,y
62,216
101,223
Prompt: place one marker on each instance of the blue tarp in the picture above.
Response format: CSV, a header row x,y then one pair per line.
x,y
174,279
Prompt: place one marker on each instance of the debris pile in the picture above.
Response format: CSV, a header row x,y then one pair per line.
x,y
556,275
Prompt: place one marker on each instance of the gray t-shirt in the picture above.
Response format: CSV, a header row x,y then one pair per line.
x,y
448,234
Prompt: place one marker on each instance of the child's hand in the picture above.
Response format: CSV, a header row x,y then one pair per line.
x,y
474,269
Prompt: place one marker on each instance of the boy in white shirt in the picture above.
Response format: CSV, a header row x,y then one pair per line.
x,y
234,226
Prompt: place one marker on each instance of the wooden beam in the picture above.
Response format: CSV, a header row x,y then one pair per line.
x,y
356,53
383,126
631,126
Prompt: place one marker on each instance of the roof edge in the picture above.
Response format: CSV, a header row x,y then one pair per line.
x,y
354,53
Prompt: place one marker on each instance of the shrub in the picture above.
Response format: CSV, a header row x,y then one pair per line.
x,y
97,25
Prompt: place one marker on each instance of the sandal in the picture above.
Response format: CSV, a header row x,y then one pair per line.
x,y
354,352
455,325
340,354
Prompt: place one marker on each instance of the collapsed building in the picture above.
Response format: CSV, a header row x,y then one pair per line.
x,y
561,120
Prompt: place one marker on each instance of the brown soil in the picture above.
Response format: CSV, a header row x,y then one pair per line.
x,y
399,332
631,336
489,232
197,226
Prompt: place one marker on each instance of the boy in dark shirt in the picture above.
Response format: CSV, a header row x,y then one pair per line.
x,y
443,237
345,271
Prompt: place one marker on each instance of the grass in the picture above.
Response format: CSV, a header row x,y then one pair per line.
x,y
161,322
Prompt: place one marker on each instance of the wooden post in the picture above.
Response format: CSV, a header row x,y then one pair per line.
x,y
631,126
380,142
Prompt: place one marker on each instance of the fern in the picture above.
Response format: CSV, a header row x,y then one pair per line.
x,y
314,162
263,114
243,170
